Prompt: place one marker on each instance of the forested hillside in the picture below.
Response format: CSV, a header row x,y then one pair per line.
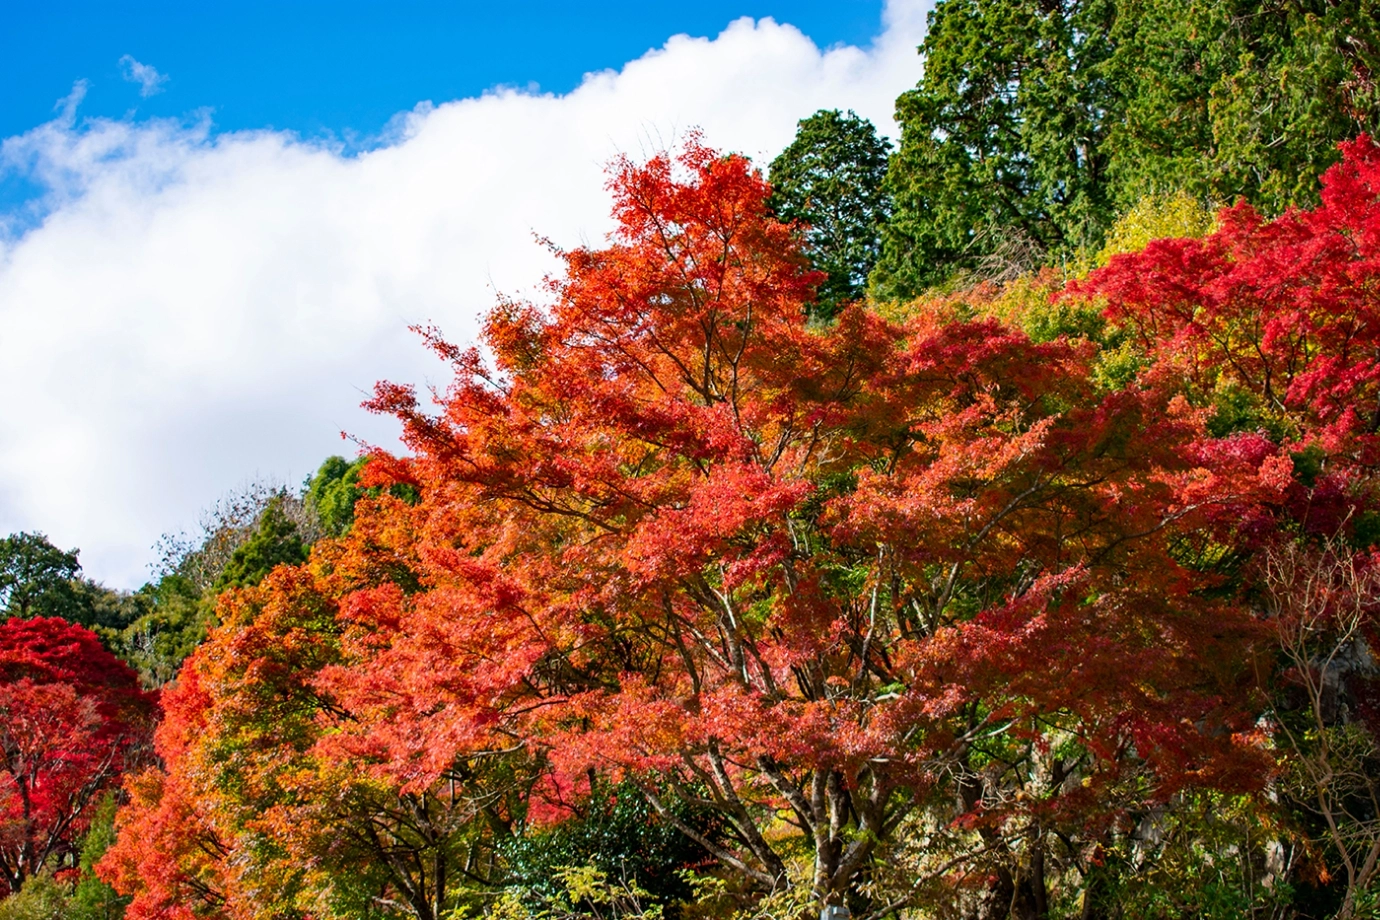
x,y
981,525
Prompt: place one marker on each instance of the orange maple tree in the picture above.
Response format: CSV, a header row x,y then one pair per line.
x,y
266,805
671,532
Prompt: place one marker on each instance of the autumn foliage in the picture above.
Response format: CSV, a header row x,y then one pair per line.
x,y
826,584
72,717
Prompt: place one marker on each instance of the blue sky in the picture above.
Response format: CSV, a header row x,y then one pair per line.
x,y
213,251
343,68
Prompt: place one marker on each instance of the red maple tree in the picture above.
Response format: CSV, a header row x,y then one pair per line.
x,y
1273,326
72,717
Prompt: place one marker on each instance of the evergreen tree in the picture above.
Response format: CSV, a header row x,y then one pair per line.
x,y
37,579
276,541
174,618
92,898
1038,121
1240,100
831,178
1002,158
331,494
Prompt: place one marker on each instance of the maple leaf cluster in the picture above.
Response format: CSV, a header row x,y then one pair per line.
x,y
814,580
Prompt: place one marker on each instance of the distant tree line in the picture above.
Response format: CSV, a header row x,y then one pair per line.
x,y
241,538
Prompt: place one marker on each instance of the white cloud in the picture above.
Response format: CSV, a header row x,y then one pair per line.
x,y
196,309
149,79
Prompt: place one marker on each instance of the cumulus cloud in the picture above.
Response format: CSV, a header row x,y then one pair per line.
x,y
192,309
149,79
